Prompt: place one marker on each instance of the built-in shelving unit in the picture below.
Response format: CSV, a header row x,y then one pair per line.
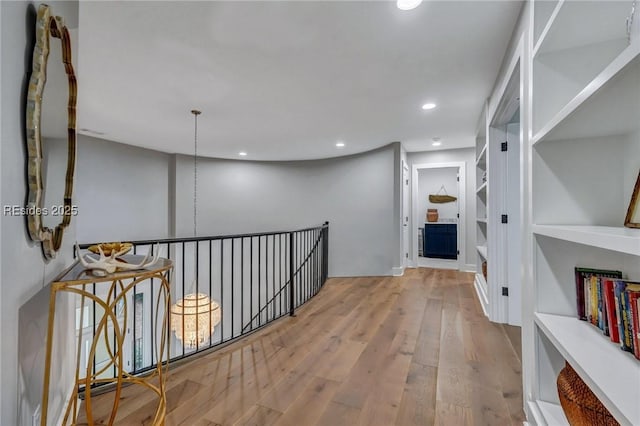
x,y
482,189
585,157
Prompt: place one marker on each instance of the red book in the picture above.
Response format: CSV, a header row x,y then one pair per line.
x,y
635,326
610,305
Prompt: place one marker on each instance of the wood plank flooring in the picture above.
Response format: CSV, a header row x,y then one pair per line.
x,y
411,350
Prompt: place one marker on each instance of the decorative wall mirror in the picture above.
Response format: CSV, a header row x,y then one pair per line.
x,y
46,221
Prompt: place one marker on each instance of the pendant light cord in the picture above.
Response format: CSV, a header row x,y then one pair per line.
x,y
195,113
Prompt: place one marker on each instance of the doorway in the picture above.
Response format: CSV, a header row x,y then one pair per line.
x,y
438,243
505,223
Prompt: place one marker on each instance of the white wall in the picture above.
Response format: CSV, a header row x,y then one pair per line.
x,y
122,192
355,194
466,155
429,182
24,272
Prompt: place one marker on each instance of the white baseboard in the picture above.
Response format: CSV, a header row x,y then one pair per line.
x,y
397,271
468,267
67,401
428,262
482,296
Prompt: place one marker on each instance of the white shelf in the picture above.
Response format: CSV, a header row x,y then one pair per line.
x,y
549,24
608,105
483,251
548,413
623,240
481,161
572,25
612,374
482,220
482,188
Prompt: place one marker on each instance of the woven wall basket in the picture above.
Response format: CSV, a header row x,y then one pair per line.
x,y
442,198
580,405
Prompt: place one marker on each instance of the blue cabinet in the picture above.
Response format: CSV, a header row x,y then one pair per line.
x,y
440,240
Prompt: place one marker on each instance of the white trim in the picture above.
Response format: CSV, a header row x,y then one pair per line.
x,y
518,54
499,308
397,271
427,262
405,233
1,197
462,200
59,419
482,296
468,267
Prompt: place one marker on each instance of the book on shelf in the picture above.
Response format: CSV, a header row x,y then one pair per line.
x,y
634,296
612,304
619,287
584,289
610,307
627,288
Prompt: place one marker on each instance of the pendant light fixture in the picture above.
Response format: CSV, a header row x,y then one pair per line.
x,y
194,317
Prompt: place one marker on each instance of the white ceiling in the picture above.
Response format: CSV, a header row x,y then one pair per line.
x,y
287,80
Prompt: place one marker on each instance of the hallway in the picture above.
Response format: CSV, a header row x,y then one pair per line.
x,y
411,350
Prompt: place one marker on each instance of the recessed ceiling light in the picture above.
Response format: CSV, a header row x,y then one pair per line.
x,y
242,154
408,4
436,143
340,144
429,105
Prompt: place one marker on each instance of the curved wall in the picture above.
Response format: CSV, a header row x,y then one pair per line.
x,y
126,193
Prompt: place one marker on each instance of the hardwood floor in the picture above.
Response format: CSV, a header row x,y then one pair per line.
x,y
411,350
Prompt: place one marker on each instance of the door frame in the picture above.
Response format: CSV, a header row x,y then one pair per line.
x,y
506,248
405,216
462,197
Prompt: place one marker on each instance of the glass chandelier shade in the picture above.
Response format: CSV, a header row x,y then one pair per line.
x,y
194,318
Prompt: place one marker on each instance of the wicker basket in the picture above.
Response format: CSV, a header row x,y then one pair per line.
x,y
580,405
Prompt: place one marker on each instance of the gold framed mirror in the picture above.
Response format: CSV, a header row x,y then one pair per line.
x,y
48,26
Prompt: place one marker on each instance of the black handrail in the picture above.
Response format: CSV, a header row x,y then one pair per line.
x,y
209,238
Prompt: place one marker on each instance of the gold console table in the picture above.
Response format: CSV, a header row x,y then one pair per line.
x,y
112,296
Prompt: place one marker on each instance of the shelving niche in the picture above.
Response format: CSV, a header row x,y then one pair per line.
x,y
585,157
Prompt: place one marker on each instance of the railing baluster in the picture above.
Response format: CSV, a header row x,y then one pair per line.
x,y
222,290
280,270
135,348
273,277
197,278
259,281
210,291
291,277
151,311
251,280
183,268
241,284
